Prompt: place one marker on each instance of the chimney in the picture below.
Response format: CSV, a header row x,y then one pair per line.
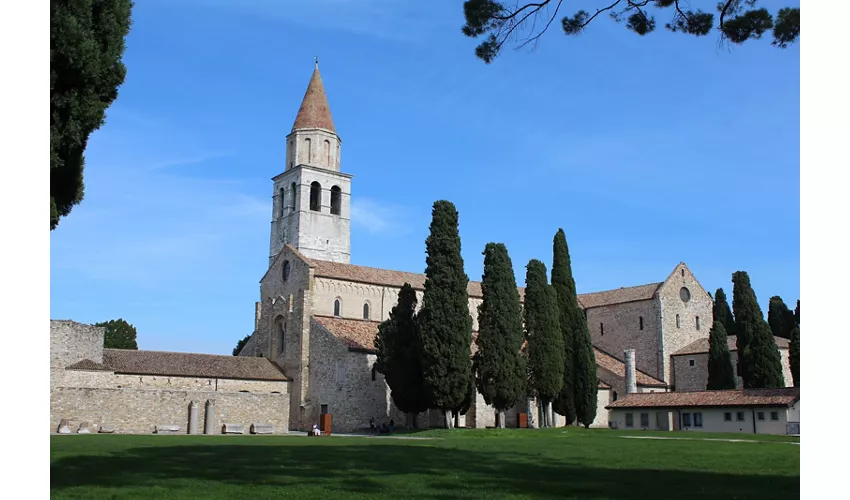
x,y
631,378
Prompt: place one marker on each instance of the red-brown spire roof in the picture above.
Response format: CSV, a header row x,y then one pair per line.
x,y
314,111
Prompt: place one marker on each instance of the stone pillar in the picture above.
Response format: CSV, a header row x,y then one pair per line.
x,y
210,418
631,375
193,417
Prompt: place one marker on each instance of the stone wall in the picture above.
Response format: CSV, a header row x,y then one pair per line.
x,y
105,379
71,342
140,410
678,334
616,327
695,378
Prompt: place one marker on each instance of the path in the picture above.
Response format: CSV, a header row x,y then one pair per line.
x,y
371,436
711,439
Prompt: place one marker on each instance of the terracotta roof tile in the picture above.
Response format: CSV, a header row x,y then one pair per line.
x,y
88,365
618,367
741,397
701,346
618,296
388,277
314,111
184,364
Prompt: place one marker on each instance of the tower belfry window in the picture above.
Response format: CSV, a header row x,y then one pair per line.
x,y
336,200
315,196
282,201
293,191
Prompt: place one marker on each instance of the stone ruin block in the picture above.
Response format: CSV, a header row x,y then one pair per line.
x,y
64,427
233,429
259,428
167,429
85,428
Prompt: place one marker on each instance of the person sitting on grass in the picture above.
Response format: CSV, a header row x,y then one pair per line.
x,y
315,431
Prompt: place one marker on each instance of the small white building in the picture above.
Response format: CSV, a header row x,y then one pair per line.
x,y
751,411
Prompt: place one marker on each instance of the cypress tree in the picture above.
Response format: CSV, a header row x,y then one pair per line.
x,y
794,353
583,367
721,373
571,321
545,341
445,323
722,312
499,368
758,355
399,353
780,318
797,314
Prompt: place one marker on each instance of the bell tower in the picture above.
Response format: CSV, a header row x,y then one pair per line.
x,y
312,197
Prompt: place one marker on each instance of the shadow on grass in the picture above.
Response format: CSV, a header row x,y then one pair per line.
x,y
429,471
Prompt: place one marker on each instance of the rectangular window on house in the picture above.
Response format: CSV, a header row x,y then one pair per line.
x,y
630,420
691,362
740,416
644,419
760,415
686,419
697,419
727,417
774,415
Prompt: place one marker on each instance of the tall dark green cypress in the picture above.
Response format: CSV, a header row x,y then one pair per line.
x,y
721,373
499,367
545,340
399,353
780,318
797,314
583,376
794,353
761,366
570,319
445,323
722,312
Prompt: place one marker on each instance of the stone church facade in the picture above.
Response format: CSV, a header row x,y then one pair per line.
x,y
312,349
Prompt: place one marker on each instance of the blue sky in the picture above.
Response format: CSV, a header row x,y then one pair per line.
x,y
647,151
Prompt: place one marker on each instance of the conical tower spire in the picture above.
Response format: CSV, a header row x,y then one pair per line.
x,y
314,111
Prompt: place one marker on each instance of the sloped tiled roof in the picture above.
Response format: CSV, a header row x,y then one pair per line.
x,y
88,365
619,296
184,364
740,397
388,277
314,111
618,368
701,346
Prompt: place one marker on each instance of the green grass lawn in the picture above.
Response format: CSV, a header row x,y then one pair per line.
x,y
464,463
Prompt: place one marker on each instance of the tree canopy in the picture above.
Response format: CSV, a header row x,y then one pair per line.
x,y
570,319
761,366
780,318
399,353
445,323
240,345
86,47
721,373
794,354
499,367
722,312
523,23
119,334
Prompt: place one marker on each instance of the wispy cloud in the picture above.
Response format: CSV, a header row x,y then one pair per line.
x,y
378,217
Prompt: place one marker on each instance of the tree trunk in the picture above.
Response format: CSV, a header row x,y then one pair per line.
x,y
448,418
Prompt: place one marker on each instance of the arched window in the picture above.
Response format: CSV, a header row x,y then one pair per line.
x,y
281,202
285,270
328,152
281,333
337,307
293,191
366,310
309,149
677,321
373,372
336,200
697,322
315,196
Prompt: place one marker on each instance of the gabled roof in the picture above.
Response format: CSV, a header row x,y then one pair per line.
x,y
618,368
701,346
88,365
619,296
314,111
740,397
184,364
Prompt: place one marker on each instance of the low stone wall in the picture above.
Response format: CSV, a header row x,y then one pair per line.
x,y
111,380
132,411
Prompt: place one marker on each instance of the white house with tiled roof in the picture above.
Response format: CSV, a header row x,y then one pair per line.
x,y
319,314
